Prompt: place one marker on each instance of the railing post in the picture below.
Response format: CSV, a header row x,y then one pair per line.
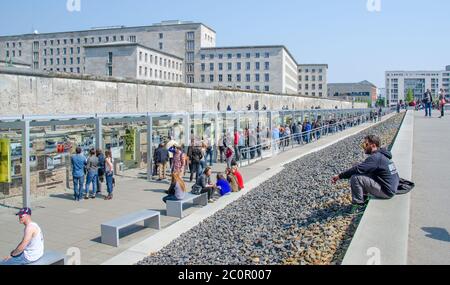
x,y
26,173
98,133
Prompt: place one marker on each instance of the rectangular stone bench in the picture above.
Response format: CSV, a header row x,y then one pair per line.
x,y
175,208
50,258
110,230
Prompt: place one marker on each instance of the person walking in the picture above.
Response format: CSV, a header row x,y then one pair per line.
x,y
178,161
109,174
31,248
78,162
161,159
92,174
236,144
428,101
442,102
195,157
101,170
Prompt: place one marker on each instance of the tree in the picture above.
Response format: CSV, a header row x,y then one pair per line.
x,y
409,96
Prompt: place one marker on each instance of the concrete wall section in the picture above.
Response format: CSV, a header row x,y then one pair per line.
x,y
32,93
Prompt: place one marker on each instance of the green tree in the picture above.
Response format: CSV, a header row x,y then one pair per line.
x,y
409,96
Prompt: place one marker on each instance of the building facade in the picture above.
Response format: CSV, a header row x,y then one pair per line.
x,y
64,52
132,60
399,83
258,68
362,91
312,80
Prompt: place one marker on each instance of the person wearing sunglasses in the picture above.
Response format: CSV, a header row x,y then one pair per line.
x,y
376,176
31,248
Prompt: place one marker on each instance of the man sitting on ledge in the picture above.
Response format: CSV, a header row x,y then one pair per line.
x,y
376,176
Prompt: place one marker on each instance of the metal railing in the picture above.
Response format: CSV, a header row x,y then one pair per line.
x,y
273,147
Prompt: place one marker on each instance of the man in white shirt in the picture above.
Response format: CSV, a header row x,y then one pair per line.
x,y
31,248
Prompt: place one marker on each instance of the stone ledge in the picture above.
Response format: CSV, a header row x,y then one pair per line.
x,y
384,227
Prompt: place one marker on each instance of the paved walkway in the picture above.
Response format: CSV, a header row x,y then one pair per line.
x,y
429,241
69,224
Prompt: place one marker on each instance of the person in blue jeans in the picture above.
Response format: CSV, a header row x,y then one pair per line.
x,y
92,174
78,166
428,100
109,174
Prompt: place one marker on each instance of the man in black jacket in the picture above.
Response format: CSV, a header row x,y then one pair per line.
x,y
161,159
376,176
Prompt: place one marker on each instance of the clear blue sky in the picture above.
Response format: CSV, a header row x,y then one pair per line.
x,y
357,44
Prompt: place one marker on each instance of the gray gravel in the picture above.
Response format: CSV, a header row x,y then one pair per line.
x,y
296,217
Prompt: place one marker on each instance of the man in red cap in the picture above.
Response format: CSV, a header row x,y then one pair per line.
x,y
31,248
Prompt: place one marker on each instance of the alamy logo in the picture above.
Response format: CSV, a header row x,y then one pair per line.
x,y
374,5
73,5
73,256
374,255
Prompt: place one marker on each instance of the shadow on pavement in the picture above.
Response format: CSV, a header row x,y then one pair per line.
x,y
437,233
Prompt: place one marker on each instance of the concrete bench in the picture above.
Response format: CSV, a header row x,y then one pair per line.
x,y
110,230
50,258
175,208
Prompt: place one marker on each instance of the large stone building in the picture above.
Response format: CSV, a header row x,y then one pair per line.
x,y
258,68
398,83
132,60
312,80
361,91
65,51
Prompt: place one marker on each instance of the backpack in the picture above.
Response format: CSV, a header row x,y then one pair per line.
x,y
405,186
233,183
196,155
196,189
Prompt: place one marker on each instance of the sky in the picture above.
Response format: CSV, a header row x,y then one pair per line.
x,y
356,42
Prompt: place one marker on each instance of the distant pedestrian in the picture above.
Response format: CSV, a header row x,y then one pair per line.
x,y
161,159
428,101
109,174
442,102
101,170
92,174
79,162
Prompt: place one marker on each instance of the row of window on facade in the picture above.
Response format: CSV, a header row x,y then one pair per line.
x,y
312,70
257,66
248,78
52,61
90,40
314,94
313,86
50,51
159,74
248,87
145,57
71,69
313,78
13,53
237,55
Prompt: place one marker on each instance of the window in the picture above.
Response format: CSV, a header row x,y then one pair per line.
x,y
202,78
230,66
266,77
151,58
71,60
238,55
320,87
140,56
230,56
45,43
257,77
238,66
151,72
114,38
203,56
58,51
257,65
140,70
161,46
110,73
230,78
51,61
58,61
313,78
122,38
320,78
211,78
190,35
165,62
7,53
78,50
220,56
257,55
13,53
266,55
65,42
247,65
220,66
238,78
71,50
99,39
132,39
161,35
211,66
267,65
78,60
107,39
52,42
203,67
247,78
156,60
65,51
320,70
257,88
248,55
266,88
45,61
146,72
190,45
220,78
71,69
160,61
211,56
306,78
85,40
65,61
247,87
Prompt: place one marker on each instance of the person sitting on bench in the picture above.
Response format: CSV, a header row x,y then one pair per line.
x,y
31,248
177,189
376,176
204,181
